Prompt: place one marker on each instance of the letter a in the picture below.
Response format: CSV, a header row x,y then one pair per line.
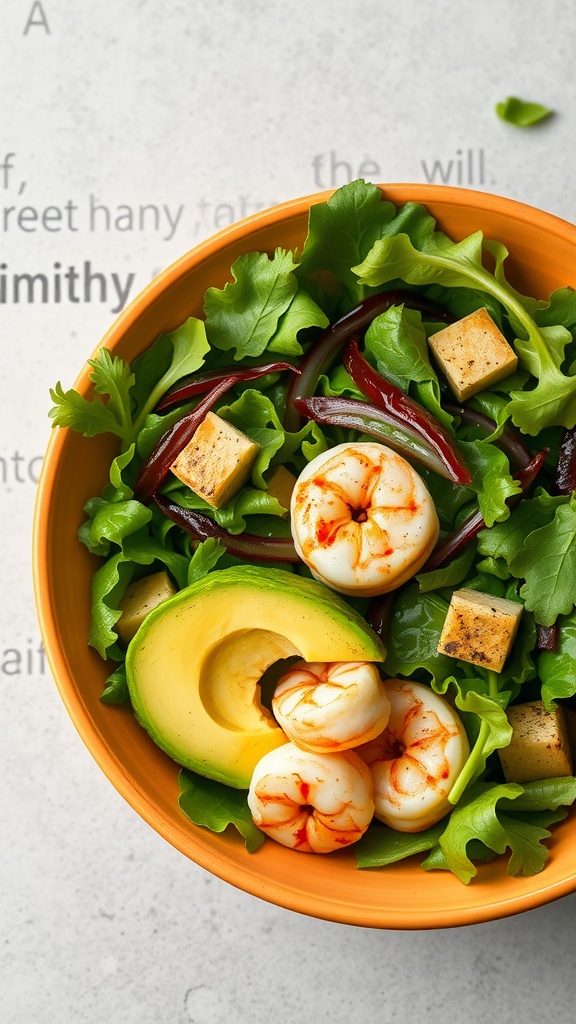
x,y
37,19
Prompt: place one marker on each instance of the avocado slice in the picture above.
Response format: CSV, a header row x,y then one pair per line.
x,y
194,666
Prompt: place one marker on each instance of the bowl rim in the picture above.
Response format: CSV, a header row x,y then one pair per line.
x,y
245,876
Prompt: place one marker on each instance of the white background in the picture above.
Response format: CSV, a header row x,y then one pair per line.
x,y
213,109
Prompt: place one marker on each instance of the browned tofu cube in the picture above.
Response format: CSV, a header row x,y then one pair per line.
x,y
217,461
280,486
139,599
539,748
473,354
479,628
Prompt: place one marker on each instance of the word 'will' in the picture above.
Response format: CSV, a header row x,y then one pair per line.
x,y
466,167
70,284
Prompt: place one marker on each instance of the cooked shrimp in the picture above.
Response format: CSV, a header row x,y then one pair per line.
x,y
314,803
362,519
417,758
327,707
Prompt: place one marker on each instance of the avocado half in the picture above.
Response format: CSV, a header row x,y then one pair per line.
x,y
194,666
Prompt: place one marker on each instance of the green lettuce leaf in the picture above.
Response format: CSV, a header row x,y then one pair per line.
x,y
435,259
243,316
547,563
522,113
557,669
491,478
381,845
173,355
215,806
302,314
395,343
341,232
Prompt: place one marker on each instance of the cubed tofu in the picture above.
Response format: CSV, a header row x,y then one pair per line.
x,y
217,461
539,748
479,628
139,599
473,354
280,486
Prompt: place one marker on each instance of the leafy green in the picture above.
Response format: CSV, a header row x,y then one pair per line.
x,y
415,627
244,315
547,563
111,376
342,231
215,806
450,575
302,314
381,845
205,559
522,113
134,391
476,817
187,347
429,257
491,478
116,687
485,702
395,343
543,795
557,669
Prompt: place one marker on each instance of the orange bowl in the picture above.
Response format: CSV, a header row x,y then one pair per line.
x,y
542,257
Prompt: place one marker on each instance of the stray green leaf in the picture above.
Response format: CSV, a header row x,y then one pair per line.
x,y
522,113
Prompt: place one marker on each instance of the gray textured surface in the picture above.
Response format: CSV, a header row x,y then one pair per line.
x,y
213,109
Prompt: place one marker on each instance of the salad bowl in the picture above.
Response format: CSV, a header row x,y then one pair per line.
x,y
400,896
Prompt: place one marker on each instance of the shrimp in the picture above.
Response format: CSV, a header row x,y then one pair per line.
x,y
416,759
362,519
313,803
327,707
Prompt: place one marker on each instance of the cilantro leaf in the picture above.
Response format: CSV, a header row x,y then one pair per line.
x,y
110,376
215,806
522,113
243,316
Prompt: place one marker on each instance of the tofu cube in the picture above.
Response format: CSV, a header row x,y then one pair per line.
x,y
539,748
473,354
280,486
480,629
217,461
139,599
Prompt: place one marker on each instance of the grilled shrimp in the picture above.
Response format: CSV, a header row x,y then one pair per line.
x,y
362,519
416,759
327,707
314,803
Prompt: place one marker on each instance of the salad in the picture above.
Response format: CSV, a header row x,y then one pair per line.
x,y
331,349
